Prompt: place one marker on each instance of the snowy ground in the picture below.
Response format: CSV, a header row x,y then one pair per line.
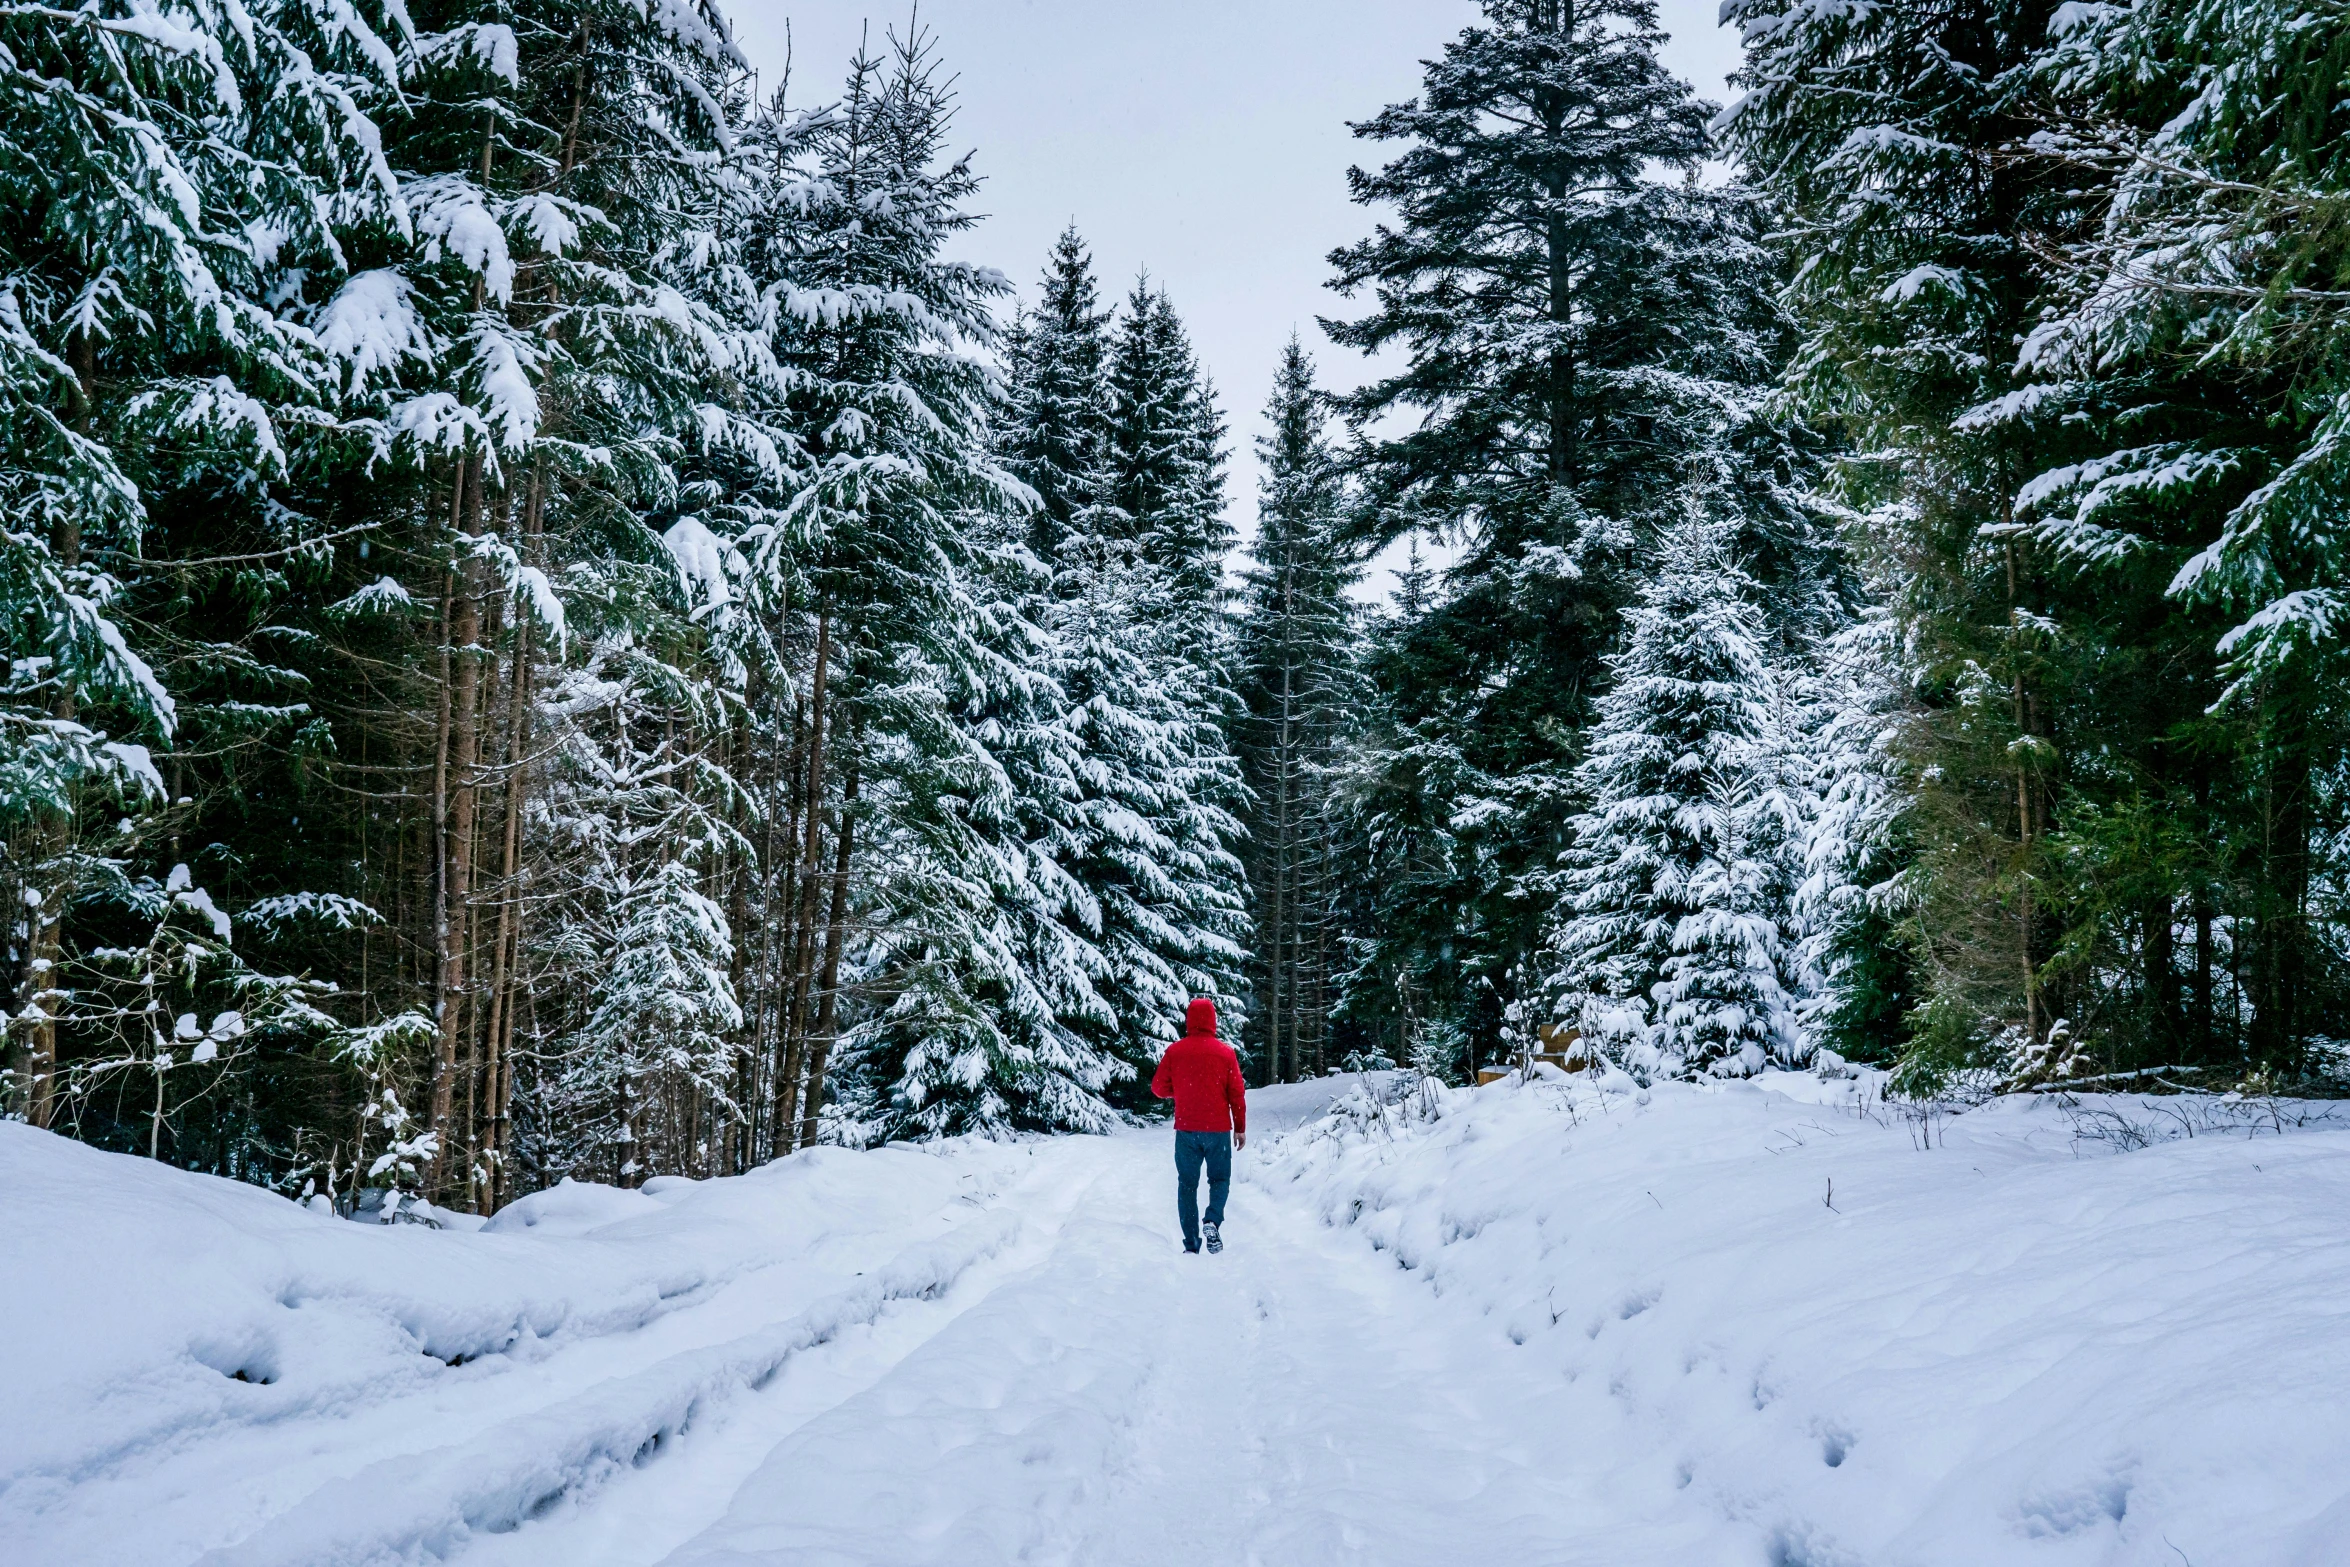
x,y
1523,1324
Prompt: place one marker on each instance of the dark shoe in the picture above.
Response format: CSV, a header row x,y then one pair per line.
x,y
1191,1248
1215,1237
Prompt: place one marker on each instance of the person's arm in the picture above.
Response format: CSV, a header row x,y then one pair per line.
x,y
1163,1081
1236,1095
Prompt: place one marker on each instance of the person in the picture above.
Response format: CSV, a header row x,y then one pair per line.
x,y
1201,1074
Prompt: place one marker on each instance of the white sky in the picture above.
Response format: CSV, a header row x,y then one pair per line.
x,y
1204,139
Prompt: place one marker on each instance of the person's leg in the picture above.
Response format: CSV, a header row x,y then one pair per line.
x,y
1188,1158
1219,1160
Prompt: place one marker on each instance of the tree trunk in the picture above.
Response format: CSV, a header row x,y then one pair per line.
x,y
2281,968
2204,1020
835,937
444,1025
782,881
454,805
44,946
735,761
2030,797
804,916
45,924
1560,20
503,950
767,1026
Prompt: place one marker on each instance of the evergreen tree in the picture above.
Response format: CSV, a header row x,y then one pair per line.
x,y
1054,420
659,1043
1298,655
1118,435
1879,134
2034,262
1669,953
1163,479
2189,366
1163,484
957,1035
1577,334
558,159
1152,844
1850,904
1044,1013
1405,928
527,510
178,200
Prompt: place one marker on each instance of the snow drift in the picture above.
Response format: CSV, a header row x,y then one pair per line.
x,y
2105,1330
1760,1324
214,1369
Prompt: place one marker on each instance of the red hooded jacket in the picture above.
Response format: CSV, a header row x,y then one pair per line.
x,y
1202,1075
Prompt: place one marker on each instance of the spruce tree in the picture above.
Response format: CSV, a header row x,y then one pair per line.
x,y
1298,658
1163,476
1577,332
2026,243
1154,829
952,1032
1054,420
1118,435
1852,898
2184,377
1669,949
178,202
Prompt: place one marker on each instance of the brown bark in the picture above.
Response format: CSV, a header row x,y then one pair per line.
x,y
455,800
765,1030
501,1086
45,925
732,750
440,857
480,1005
783,878
37,1057
811,870
835,937
509,890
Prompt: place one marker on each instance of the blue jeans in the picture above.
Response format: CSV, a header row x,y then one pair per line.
x,y
1193,1149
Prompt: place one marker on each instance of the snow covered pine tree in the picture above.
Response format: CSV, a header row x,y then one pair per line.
x,y
1669,951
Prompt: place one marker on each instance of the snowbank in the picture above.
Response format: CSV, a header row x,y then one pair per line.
x,y
1284,1107
1764,1324
210,1367
2109,1333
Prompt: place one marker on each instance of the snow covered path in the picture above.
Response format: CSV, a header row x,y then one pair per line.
x,y
1081,1391
1099,1397
1754,1325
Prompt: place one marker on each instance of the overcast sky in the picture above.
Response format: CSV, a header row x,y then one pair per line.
x,y
1205,140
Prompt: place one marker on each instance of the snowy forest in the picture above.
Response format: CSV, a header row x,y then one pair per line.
x,y
557,629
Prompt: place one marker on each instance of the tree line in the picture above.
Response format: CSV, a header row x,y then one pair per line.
x,y
540,644
1891,594
554,629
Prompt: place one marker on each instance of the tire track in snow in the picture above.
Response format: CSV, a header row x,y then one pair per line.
x,y
643,1515
995,1437
431,1507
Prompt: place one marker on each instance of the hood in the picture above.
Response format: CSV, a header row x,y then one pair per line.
x,y
1200,1018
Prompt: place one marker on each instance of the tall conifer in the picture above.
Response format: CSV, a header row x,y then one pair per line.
x,y
1298,656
